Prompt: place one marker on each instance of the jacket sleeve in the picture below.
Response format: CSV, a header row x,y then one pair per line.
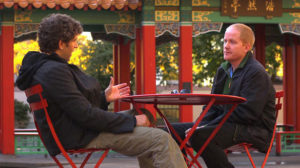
x,y
215,110
60,87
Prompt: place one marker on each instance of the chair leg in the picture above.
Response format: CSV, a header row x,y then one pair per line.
x,y
86,159
102,158
249,156
265,160
69,159
57,162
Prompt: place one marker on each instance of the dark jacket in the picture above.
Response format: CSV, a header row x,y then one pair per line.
x,y
254,118
77,106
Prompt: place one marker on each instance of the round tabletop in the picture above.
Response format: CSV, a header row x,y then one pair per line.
x,y
183,99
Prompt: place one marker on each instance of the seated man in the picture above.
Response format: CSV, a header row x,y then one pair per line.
x,y
78,107
252,121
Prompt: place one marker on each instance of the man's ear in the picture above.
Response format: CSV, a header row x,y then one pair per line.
x,y
61,44
247,47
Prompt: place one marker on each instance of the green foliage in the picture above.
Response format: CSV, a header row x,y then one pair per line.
x,y
98,59
273,59
167,61
21,114
207,57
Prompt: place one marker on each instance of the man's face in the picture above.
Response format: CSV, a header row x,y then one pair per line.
x,y
234,49
66,49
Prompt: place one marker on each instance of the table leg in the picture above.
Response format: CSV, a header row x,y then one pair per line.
x,y
215,131
136,108
199,119
172,130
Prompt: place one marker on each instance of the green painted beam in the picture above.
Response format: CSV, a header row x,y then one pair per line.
x,y
148,14
89,17
216,17
7,17
210,3
186,10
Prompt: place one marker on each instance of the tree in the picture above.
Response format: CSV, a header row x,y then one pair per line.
x,y
273,60
20,49
167,61
207,57
97,59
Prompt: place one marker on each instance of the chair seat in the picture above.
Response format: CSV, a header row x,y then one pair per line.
x,y
247,147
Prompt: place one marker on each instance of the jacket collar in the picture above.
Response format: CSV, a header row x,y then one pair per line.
x,y
226,65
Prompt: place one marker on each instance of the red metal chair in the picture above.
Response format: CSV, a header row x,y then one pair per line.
x,y
246,147
42,104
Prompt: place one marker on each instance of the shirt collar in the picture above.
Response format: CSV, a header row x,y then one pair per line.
x,y
226,65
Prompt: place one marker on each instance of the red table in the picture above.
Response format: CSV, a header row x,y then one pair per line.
x,y
188,99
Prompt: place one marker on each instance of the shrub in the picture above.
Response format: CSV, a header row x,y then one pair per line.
x,y
21,114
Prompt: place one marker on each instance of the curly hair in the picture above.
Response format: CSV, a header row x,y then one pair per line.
x,y
57,27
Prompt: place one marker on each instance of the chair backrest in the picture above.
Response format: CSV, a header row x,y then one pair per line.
x,y
42,105
278,103
278,106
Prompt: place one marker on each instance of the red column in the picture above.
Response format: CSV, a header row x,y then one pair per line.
x,y
116,71
289,81
260,43
7,90
148,59
124,68
186,69
297,82
138,62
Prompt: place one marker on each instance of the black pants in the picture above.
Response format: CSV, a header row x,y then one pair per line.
x,y
213,155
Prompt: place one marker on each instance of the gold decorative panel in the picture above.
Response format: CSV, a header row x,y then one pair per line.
x,y
201,16
170,16
23,16
267,8
200,3
166,2
296,4
126,17
296,16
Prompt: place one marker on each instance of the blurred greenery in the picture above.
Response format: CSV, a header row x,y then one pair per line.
x,y
207,57
21,114
274,61
98,61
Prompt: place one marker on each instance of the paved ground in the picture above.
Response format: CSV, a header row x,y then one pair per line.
x,y
115,160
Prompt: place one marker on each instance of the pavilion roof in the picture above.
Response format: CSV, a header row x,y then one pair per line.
x,y
73,4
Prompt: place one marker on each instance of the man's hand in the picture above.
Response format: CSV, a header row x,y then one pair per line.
x,y
113,93
142,120
187,132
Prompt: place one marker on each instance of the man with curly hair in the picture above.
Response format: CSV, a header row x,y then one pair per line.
x,y
78,107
